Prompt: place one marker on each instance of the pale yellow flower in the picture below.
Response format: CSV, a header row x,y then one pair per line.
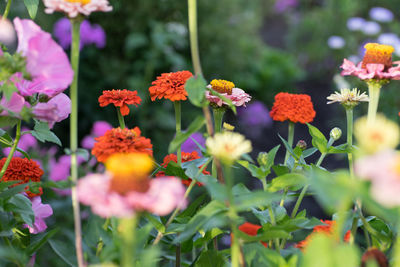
x,y
228,146
378,135
348,97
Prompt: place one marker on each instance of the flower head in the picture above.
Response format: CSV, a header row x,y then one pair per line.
x,y
227,89
120,98
376,135
41,212
348,98
170,86
228,146
24,170
251,229
75,7
55,110
381,14
293,107
119,140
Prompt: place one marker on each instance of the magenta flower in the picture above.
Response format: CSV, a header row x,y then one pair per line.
x,y
41,212
228,90
99,129
13,105
55,110
74,8
189,145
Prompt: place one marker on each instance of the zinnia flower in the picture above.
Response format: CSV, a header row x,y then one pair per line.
x,y
376,64
41,212
170,86
293,107
185,158
121,193
119,140
327,229
75,7
120,98
228,146
228,90
251,229
347,97
22,169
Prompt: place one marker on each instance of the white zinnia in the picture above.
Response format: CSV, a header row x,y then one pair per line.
x,y
348,97
228,146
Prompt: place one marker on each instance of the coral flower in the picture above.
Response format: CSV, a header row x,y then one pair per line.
x,y
120,98
185,158
376,64
75,7
227,89
293,107
251,229
170,86
327,229
119,140
22,169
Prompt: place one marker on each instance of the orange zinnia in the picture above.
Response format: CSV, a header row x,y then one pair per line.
x,y
120,98
119,140
170,86
251,229
25,170
293,107
327,229
185,158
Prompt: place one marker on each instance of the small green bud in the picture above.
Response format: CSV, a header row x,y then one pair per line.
x,y
302,144
336,133
262,158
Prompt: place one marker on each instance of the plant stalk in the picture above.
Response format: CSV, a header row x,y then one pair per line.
x,y
127,230
7,10
290,140
374,89
121,119
178,124
12,151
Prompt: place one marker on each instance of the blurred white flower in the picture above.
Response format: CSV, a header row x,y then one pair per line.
x,y
7,32
381,14
355,23
336,42
371,28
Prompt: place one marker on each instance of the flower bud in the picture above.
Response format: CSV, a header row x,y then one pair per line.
x,y
336,133
262,158
302,144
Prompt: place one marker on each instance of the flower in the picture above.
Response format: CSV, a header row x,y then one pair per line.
x,y
59,170
13,105
99,128
327,229
170,86
376,64
381,14
256,114
41,212
75,7
251,229
26,142
371,28
22,169
228,90
389,39
355,23
7,32
90,34
123,193
120,98
185,158
348,98
119,140
283,5
377,135
336,42
292,107
228,146
190,144
55,110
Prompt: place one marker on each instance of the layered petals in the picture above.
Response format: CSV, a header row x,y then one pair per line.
x,y
238,97
74,8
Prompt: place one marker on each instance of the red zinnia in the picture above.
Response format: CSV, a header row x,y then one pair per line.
x,y
120,98
170,86
119,140
22,169
251,229
292,107
185,158
327,229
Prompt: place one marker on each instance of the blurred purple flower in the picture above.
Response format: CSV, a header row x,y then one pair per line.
x,y
283,5
381,14
336,42
254,118
99,129
41,212
26,142
389,39
14,104
371,28
355,23
189,145
90,34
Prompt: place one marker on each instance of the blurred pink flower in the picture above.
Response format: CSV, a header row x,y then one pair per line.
x,y
238,97
162,197
41,212
14,104
99,129
371,71
74,8
55,110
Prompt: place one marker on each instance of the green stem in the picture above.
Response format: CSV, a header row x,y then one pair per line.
x,y
367,228
12,151
285,191
218,118
374,91
121,119
349,116
128,236
290,139
75,49
178,115
194,44
396,250
264,183
7,10
273,222
321,158
342,215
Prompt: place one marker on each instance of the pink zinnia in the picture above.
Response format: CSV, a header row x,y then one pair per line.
x,y
228,90
75,7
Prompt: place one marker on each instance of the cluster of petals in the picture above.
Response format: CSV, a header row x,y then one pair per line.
x,y
119,140
24,170
75,7
238,97
185,158
293,107
163,196
41,211
170,86
371,71
251,230
120,98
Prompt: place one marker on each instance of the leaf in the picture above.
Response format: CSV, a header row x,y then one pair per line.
x,y
180,138
343,148
61,249
23,152
173,169
309,152
265,236
42,133
156,222
210,258
255,171
224,98
280,169
196,88
32,7
255,199
41,239
264,216
22,205
293,181
287,146
318,139
12,191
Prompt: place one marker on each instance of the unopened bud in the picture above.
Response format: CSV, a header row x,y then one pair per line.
x,y
302,144
336,133
262,158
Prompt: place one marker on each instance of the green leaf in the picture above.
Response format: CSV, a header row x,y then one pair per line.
x,y
173,169
309,152
264,216
318,139
6,121
252,199
196,88
23,152
293,181
224,98
265,236
253,169
287,146
180,138
65,253
156,222
32,7
42,133
343,148
41,239
210,258
4,185
22,205
12,191
280,169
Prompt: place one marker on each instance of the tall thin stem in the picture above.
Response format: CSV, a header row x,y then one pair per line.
x,y
12,151
194,44
374,89
121,119
178,115
218,118
290,139
7,10
128,235
396,251
349,116
75,49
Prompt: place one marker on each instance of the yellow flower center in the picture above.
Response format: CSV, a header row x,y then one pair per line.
x,y
133,164
378,54
83,2
222,86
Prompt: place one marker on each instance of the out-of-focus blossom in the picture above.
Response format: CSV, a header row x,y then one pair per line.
x,y
355,23
227,89
99,129
376,256
336,42
381,14
189,145
254,118
55,110
90,34
75,7
371,28
283,5
26,142
7,32
13,105
60,171
41,212
389,39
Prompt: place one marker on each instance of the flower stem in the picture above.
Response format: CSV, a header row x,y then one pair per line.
x,y
396,250
273,222
12,151
7,10
194,44
218,118
349,116
75,49
127,229
121,119
178,124
290,139
374,89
